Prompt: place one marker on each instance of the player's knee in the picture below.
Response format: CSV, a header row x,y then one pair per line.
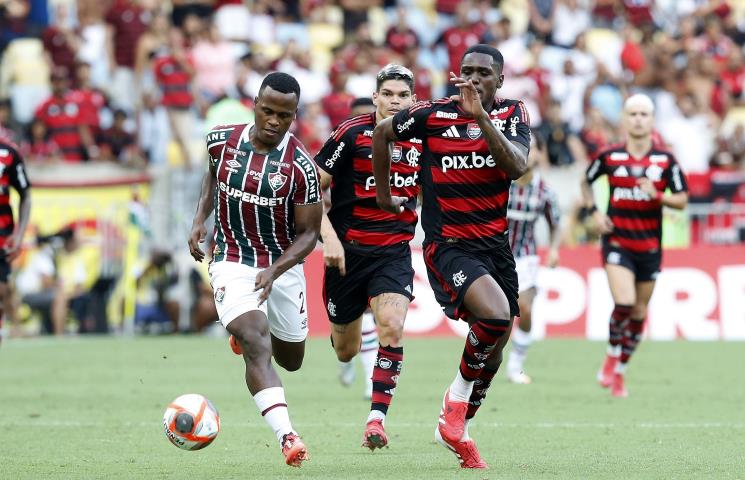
x,y
289,364
390,325
345,353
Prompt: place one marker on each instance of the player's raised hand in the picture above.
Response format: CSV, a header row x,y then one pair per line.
x,y
647,187
333,254
198,234
392,204
469,96
264,282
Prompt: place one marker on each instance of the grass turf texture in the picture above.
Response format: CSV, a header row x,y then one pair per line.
x,y
92,408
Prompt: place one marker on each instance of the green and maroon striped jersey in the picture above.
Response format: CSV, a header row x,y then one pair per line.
x,y
256,194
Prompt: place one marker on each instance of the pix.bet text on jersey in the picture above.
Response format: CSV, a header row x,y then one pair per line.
x,y
354,214
464,192
256,194
636,217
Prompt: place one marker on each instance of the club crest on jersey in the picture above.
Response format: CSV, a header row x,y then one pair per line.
x,y
473,131
276,180
654,173
397,153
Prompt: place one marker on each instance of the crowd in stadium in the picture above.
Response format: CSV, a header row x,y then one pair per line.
x,y
120,80
138,83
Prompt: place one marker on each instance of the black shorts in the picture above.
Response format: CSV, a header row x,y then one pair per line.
x,y
347,297
451,270
4,268
645,265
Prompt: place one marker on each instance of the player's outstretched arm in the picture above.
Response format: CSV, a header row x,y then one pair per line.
x,y
307,229
205,206
677,200
382,136
603,223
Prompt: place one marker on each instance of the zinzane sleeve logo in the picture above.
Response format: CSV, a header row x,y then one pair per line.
x,y
307,187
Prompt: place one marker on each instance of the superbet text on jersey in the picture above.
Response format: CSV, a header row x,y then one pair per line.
x,y
465,193
636,217
256,194
355,215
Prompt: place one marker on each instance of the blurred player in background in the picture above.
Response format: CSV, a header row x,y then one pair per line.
x,y
365,249
369,347
12,175
639,172
267,220
474,146
530,198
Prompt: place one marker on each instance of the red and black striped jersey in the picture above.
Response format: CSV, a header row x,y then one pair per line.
x,y
354,214
12,174
637,218
256,194
464,192
62,118
527,203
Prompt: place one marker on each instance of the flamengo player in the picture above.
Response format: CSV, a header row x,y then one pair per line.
x,y
530,198
366,250
267,220
638,173
12,175
473,146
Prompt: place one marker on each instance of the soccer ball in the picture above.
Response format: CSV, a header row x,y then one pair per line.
x,y
191,422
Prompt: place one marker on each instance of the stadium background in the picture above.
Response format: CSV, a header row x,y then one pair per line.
x,y
127,179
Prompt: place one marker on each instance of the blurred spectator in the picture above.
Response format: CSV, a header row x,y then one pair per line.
x,y
400,37
541,20
568,88
14,21
36,283
563,146
214,66
157,309
118,145
255,66
296,62
24,77
93,49
226,111
153,130
639,12
151,44
337,104
714,43
361,81
730,151
39,148
597,133
690,132
183,9
570,21
313,127
73,284
728,90
61,115
456,39
173,72
9,128
61,41
90,100
127,20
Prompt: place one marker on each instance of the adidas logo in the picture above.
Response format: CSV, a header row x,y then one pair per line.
x,y
621,172
451,132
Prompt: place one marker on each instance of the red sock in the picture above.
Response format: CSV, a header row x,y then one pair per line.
x,y
385,376
480,387
618,319
631,338
480,342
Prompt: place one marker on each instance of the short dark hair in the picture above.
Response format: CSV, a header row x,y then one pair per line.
x,y
393,71
281,82
362,102
496,55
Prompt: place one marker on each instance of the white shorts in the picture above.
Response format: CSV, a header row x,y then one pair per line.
x,y
527,271
286,309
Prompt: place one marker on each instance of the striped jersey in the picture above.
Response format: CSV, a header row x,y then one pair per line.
x,y
464,192
527,204
637,218
354,214
256,194
12,174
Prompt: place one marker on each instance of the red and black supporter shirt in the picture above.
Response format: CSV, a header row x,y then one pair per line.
x,y
464,192
174,82
12,174
62,118
637,218
354,214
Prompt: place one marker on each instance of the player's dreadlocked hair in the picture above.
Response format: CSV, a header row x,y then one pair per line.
x,y
394,71
281,82
496,55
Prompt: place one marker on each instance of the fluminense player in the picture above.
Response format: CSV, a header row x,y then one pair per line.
x,y
530,199
366,249
473,147
264,190
639,172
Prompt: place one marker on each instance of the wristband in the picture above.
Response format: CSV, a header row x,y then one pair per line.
x,y
659,196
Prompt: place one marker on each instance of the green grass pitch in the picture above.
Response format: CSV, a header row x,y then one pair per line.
x,y
92,407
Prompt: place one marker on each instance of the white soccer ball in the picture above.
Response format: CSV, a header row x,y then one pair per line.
x,y
191,422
